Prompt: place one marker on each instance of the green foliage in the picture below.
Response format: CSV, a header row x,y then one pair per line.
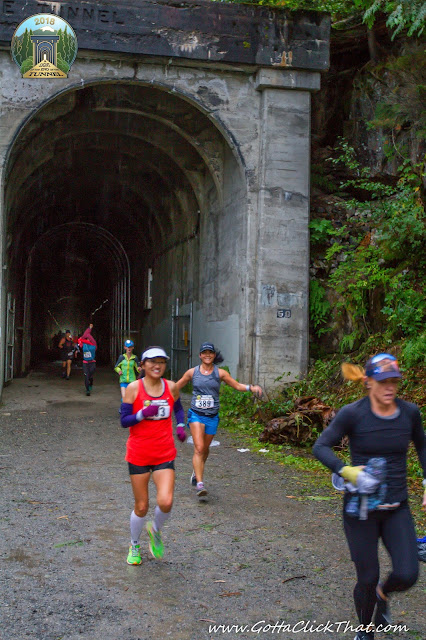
x,y
402,15
332,250
27,65
414,351
320,230
321,179
61,64
66,48
386,268
400,114
235,403
27,46
319,306
336,7
23,47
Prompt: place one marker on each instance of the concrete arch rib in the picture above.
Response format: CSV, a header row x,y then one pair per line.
x,y
159,145
211,116
120,307
137,152
199,148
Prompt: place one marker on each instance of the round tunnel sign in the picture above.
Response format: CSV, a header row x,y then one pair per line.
x,y
44,46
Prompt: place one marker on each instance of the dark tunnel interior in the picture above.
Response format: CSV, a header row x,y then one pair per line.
x,y
99,181
74,275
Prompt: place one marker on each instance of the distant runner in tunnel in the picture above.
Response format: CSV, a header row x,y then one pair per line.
x,y
88,345
127,367
67,347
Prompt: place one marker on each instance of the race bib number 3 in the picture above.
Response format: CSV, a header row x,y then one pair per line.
x,y
204,402
163,409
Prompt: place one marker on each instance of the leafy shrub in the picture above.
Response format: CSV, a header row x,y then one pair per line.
x,y
414,351
320,230
62,64
319,306
27,65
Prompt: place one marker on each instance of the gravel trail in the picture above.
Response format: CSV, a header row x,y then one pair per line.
x,y
247,554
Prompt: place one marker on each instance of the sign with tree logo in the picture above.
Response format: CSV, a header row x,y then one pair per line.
x,y
44,46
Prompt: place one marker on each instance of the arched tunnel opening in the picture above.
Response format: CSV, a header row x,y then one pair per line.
x,y
108,186
76,273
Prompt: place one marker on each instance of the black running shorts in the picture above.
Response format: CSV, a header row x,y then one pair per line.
x,y
134,469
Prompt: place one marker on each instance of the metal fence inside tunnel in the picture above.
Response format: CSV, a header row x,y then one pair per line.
x,y
187,158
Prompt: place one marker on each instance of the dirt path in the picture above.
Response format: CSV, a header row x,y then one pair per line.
x,y
248,554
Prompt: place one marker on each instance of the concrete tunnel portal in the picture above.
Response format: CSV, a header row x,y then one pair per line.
x,y
164,184
101,183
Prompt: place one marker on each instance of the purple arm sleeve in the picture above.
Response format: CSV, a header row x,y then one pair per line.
x,y
128,419
179,412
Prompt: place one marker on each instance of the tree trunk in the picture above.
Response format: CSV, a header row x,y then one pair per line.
x,y
372,45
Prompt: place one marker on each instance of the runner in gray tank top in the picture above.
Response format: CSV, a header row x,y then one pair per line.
x,y
203,416
205,392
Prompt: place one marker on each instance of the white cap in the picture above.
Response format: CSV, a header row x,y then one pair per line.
x,y
154,352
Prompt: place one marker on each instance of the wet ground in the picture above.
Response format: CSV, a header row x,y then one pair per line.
x,y
265,548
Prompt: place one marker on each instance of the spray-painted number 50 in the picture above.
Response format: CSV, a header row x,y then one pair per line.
x,y
45,20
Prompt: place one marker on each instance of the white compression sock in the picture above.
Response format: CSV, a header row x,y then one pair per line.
x,y
136,526
160,518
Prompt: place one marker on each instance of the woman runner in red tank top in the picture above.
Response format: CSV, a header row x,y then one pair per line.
x,y
147,410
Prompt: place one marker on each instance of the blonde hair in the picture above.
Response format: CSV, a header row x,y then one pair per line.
x,y
353,372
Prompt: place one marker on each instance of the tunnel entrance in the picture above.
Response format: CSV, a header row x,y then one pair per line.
x,y
76,273
108,189
182,133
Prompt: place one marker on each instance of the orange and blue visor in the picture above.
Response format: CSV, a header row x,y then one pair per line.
x,y
382,366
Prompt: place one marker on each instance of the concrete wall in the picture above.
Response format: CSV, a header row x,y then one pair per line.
x,y
248,266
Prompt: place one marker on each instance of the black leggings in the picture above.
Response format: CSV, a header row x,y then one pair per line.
x,y
397,531
88,370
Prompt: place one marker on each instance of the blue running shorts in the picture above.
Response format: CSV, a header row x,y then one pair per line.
x,y
211,423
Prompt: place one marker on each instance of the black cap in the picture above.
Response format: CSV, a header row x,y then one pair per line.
x,y
207,346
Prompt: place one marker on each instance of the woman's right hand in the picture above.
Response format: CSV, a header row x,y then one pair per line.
x,y
148,412
424,500
257,390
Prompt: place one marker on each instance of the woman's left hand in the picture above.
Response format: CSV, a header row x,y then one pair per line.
x,y
424,501
257,390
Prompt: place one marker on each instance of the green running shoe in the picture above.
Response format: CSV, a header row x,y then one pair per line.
x,y
134,556
156,546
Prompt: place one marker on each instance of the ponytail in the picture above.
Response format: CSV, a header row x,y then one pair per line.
x,y
353,372
218,358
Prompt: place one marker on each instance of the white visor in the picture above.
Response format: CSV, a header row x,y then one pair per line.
x,y
155,352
